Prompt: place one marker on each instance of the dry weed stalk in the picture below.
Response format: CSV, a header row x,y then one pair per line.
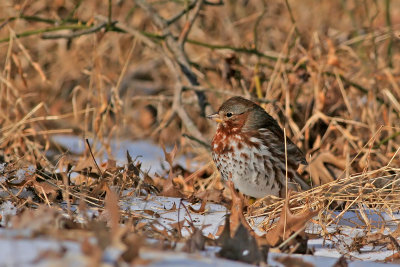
x,y
362,193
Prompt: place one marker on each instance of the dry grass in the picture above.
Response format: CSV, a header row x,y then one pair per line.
x,y
328,71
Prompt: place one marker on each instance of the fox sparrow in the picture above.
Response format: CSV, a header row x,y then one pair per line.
x,y
249,149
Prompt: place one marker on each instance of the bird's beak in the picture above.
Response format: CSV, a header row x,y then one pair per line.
x,y
215,117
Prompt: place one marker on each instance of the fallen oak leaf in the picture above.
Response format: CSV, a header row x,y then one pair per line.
x,y
45,190
183,186
237,217
197,240
178,226
173,208
293,262
131,166
133,242
163,232
202,208
93,251
378,239
341,262
319,172
169,188
242,246
212,195
49,254
396,232
41,187
287,225
393,257
152,213
41,221
170,156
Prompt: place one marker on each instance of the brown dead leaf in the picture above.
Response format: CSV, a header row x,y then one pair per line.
x,y
43,189
396,232
332,57
184,187
376,239
99,189
196,242
320,174
49,254
341,262
169,188
133,243
237,217
169,157
163,232
178,226
392,258
152,213
242,246
94,252
287,225
202,208
112,209
293,262
109,165
212,195
43,220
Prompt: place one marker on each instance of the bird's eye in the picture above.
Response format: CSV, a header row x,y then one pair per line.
x,y
229,114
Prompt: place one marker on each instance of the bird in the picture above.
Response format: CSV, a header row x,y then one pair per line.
x,y
248,149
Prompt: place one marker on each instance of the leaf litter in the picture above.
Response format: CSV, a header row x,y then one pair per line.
x,y
122,228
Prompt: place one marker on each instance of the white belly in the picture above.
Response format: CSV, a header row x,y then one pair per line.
x,y
251,175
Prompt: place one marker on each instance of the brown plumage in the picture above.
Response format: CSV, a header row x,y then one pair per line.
x,y
249,149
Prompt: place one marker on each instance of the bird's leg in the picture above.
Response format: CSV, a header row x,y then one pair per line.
x,y
237,209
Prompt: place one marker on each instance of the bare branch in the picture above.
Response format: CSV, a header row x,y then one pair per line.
x,y
75,34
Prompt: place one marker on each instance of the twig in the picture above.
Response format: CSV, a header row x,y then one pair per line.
x,y
72,13
251,51
4,23
177,48
180,60
206,145
120,27
188,25
38,19
53,29
180,14
94,160
138,34
77,33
